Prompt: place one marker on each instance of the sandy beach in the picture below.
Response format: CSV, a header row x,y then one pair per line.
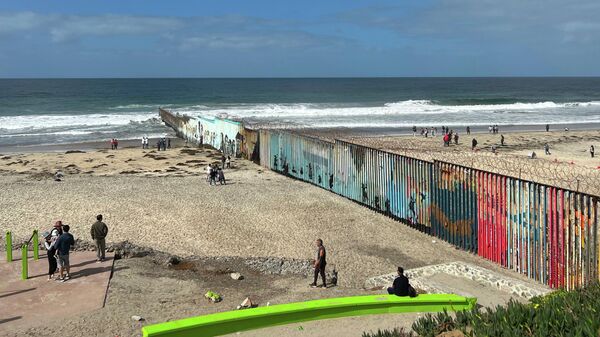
x,y
162,200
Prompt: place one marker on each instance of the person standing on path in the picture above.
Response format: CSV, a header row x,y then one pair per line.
x,y
63,246
592,150
320,263
49,241
99,231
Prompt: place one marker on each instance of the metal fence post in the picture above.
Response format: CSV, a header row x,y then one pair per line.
x,y
8,246
24,262
36,245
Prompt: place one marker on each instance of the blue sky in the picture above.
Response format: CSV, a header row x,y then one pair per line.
x,y
180,38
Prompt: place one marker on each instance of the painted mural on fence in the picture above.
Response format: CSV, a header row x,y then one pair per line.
x,y
455,207
547,233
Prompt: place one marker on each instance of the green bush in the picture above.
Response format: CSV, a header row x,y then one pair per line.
x,y
561,313
387,333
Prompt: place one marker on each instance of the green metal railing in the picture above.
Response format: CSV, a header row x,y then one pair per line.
x,y
242,320
24,252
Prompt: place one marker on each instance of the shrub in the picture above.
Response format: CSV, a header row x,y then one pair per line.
x,y
561,313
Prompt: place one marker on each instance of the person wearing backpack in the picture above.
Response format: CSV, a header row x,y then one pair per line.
x,y
99,232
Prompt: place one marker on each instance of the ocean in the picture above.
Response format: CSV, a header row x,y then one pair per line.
x,y
54,111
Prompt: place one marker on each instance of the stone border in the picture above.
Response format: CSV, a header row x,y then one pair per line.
x,y
419,279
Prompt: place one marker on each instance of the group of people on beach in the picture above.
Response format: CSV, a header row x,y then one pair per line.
x,y
114,144
58,243
215,173
493,129
164,143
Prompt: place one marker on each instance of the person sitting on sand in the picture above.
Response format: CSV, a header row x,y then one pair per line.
x,y
63,246
401,285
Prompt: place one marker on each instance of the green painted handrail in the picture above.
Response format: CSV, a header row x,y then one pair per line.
x,y
8,247
241,320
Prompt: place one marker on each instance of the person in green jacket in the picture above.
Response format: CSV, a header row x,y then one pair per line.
x,y
99,232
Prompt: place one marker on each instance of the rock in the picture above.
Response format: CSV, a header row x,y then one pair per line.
x,y
236,276
137,318
173,260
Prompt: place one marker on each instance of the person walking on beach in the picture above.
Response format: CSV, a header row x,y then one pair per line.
x,y
164,144
446,140
592,150
213,175
228,162
490,129
168,143
223,161
473,144
319,263
112,143
221,177
456,138
49,244
547,127
63,246
414,130
158,145
468,130
99,231
502,140
547,149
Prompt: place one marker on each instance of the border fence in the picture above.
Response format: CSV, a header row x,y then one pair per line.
x,y
547,233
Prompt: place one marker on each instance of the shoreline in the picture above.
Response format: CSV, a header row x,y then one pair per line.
x,y
327,133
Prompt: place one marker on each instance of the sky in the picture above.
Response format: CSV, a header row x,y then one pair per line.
x,y
332,38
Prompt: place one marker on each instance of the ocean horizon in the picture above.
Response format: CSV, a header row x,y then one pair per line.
x,y
54,111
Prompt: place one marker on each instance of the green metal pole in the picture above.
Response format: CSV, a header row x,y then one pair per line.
x,y
24,262
8,246
36,245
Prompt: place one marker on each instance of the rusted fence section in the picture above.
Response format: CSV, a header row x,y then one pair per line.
x,y
547,233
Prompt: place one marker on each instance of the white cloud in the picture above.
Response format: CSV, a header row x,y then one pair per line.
x,y
73,27
22,21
